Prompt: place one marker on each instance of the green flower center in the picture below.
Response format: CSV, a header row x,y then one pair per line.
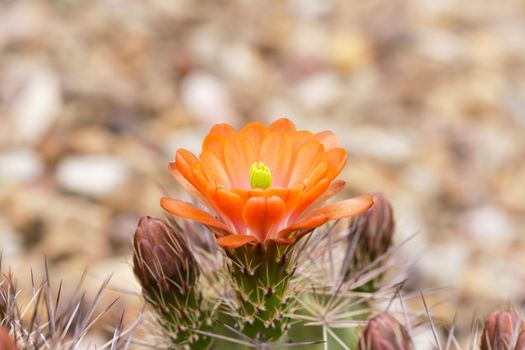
x,y
260,176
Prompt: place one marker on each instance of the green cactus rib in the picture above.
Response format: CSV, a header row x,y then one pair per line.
x,y
182,312
261,277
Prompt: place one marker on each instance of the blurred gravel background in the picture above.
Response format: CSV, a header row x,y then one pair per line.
x,y
427,96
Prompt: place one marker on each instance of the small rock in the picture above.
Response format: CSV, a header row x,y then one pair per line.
x,y
91,175
319,90
208,99
35,105
23,165
445,264
10,243
487,223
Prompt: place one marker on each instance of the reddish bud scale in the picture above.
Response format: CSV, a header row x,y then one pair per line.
x,y
384,332
504,330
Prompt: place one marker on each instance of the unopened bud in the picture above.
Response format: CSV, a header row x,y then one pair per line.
x,y
6,343
384,332
162,260
369,235
504,330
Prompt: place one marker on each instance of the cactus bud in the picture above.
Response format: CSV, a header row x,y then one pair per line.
x,y
504,330
168,272
6,343
369,235
384,332
162,258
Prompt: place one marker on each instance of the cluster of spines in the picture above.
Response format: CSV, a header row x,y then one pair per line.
x,y
48,321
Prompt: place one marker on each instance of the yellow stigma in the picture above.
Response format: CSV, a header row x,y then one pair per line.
x,y
260,176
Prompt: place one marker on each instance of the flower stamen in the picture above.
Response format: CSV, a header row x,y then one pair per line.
x,y
260,176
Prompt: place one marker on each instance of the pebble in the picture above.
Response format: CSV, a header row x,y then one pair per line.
x,y
10,242
207,98
22,165
487,224
92,175
35,105
318,91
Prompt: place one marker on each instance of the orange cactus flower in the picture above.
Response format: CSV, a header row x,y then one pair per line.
x,y
263,183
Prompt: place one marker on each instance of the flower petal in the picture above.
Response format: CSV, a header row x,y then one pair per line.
x,y
184,161
347,208
275,210
231,204
276,154
282,124
235,241
214,169
328,140
303,226
188,186
308,198
216,139
316,175
282,241
336,159
262,215
254,133
222,129
188,211
332,190
253,213
239,157
307,158
300,138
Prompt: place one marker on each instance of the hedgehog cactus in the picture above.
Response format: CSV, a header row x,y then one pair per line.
x,y
261,278
168,273
264,188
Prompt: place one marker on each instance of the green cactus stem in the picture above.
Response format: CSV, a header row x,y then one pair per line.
x,y
261,276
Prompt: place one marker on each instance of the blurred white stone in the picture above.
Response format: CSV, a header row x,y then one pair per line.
x,y
35,105
423,338
242,63
387,145
22,165
91,342
312,9
10,244
319,91
91,175
441,46
446,264
23,20
207,98
488,223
